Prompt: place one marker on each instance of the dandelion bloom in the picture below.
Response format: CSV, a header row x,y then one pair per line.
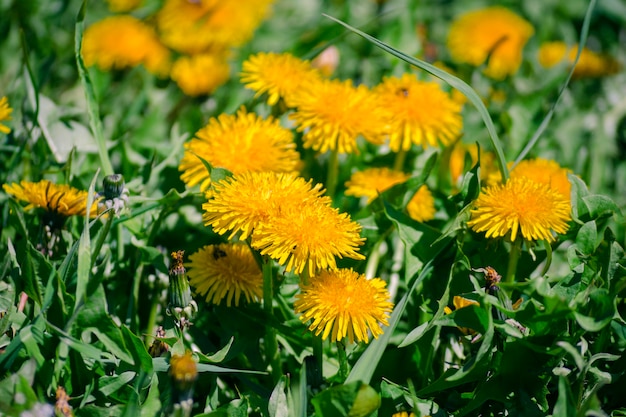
x,y
200,73
373,181
458,155
242,202
544,171
239,143
57,199
183,371
590,64
278,75
122,42
332,114
5,114
344,303
520,205
120,6
308,236
421,207
196,26
419,113
462,302
225,271
494,35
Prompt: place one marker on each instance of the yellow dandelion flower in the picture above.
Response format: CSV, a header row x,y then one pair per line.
x,y
332,114
122,42
488,168
183,370
421,207
196,26
419,113
462,302
308,235
520,205
63,200
590,64
119,6
225,271
373,181
494,35
403,414
544,171
5,114
278,75
200,73
344,303
242,202
239,143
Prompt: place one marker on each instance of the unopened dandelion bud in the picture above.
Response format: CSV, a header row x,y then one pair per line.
x,y
181,305
183,373
114,192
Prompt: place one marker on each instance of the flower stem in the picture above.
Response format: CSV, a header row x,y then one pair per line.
x,y
333,173
103,234
343,361
398,164
516,251
271,344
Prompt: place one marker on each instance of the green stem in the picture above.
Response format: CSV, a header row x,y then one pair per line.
x,y
516,251
333,173
103,234
271,344
398,164
151,320
343,360
318,356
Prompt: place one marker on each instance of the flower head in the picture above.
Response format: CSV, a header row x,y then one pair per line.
x,y
122,42
200,73
278,75
308,235
458,155
332,114
239,143
544,171
373,181
183,370
419,113
5,114
421,207
520,205
494,35
225,271
198,26
244,201
590,64
344,303
62,200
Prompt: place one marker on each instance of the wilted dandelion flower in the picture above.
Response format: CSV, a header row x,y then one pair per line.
x,y
343,303
5,114
119,6
373,181
277,75
590,64
63,200
421,207
196,26
308,236
494,35
200,73
225,272
242,202
332,114
520,206
124,41
419,113
238,143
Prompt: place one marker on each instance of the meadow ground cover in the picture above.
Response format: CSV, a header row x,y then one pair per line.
x,y
313,207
